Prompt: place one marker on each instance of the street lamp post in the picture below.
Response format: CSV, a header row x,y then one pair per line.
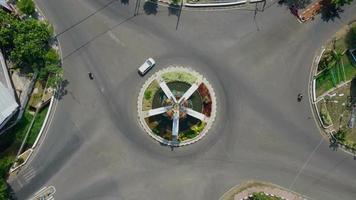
x,y
180,12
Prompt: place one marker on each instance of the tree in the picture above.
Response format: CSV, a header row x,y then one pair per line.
x,y
26,6
332,62
54,75
339,3
30,43
7,30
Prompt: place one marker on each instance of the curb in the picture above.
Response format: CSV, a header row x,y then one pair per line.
x,y
44,123
235,3
315,100
25,161
258,186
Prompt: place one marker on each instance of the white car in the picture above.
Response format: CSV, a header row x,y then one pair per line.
x,y
146,66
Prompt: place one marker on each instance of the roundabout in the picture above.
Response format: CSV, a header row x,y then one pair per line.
x,y
101,143
176,106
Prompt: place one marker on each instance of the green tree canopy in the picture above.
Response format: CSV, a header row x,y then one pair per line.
x,y
30,43
26,6
339,3
3,189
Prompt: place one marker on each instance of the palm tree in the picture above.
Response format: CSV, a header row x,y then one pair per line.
x,y
339,3
334,62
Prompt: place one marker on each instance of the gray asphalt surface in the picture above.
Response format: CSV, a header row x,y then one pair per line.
x,y
95,148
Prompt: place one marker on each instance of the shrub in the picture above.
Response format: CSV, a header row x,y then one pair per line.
x,y
148,95
324,114
26,6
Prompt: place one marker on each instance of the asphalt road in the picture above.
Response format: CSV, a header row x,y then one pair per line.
x,y
257,65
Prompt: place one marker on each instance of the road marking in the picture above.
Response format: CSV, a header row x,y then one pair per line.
x,y
19,183
116,39
29,174
305,164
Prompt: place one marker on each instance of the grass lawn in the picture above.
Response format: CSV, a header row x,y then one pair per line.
x,y
340,112
262,196
329,79
149,95
37,125
11,140
324,114
324,81
179,76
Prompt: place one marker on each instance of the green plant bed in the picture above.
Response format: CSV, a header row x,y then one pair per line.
x,y
36,97
262,196
338,106
324,114
193,132
179,76
149,95
5,164
37,125
325,80
11,140
323,83
350,68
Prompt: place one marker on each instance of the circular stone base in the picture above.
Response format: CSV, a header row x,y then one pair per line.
x,y
146,94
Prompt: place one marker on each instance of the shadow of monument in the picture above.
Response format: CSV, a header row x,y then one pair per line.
x,y
125,2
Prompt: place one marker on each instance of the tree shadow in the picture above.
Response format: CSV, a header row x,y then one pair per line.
x,y
61,91
150,7
351,38
333,144
353,91
125,2
173,9
329,11
11,192
298,4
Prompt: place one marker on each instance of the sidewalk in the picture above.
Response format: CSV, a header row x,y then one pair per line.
x,y
271,191
245,190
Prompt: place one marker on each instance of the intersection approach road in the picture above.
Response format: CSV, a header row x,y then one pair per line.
x,y
257,64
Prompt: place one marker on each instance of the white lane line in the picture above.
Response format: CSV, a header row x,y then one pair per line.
x,y
29,175
116,39
305,164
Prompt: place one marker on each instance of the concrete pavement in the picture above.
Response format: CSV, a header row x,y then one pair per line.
x,y
95,148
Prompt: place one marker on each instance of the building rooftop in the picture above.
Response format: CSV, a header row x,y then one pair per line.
x,y
8,104
4,4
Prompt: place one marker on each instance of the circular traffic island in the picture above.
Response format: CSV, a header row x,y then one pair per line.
x,y
176,106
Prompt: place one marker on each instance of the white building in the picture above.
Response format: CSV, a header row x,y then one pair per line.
x,y
8,103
